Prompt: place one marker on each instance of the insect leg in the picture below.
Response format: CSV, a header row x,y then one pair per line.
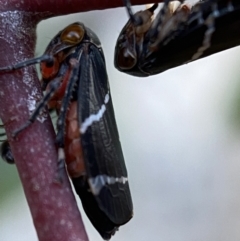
x,y
43,58
135,19
42,104
161,16
63,112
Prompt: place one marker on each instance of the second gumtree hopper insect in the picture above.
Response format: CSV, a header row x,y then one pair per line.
x,y
179,34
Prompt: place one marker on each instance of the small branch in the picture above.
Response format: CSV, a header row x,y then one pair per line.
x,y
60,7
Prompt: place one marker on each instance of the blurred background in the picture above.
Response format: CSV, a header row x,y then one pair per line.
x,y
180,134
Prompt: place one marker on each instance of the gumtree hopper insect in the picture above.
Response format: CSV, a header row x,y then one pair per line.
x,y
76,83
179,34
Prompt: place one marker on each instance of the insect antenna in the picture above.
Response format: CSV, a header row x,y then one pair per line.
x,y
44,58
134,19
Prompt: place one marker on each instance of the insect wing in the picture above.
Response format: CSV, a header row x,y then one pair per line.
x,y
227,22
108,203
210,29
211,26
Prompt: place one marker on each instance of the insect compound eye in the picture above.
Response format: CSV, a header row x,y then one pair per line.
x,y
73,34
129,44
126,58
125,51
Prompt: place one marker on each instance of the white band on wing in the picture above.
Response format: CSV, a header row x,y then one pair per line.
x,y
94,117
97,183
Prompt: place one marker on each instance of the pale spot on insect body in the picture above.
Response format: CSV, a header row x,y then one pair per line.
x,y
106,98
61,154
97,183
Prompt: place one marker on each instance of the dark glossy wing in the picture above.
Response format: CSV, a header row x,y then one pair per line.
x,y
106,200
213,26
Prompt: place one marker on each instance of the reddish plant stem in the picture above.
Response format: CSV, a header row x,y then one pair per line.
x,y
60,7
53,206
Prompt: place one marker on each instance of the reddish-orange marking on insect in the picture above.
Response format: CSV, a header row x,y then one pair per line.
x,y
56,100
73,148
49,72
